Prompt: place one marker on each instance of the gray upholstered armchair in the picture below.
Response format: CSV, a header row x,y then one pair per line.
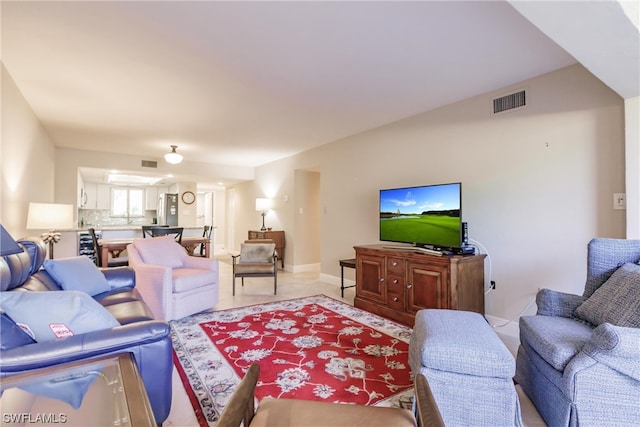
x,y
257,258
579,358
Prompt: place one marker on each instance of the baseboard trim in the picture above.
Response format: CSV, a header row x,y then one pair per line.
x,y
336,280
304,268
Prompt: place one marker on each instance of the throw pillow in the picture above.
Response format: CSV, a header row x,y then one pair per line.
x,y
48,316
163,251
617,301
77,274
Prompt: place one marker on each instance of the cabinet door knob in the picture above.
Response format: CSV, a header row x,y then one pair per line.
x,y
381,279
395,299
395,281
409,286
394,263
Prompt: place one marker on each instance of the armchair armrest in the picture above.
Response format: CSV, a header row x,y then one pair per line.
x,y
154,282
555,303
199,263
616,347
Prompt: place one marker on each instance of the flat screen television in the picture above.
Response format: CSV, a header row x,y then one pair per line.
x,y
426,216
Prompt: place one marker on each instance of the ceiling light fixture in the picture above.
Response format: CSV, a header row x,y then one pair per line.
x,y
173,157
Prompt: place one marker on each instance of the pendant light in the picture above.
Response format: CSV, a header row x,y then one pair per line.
x,y
173,157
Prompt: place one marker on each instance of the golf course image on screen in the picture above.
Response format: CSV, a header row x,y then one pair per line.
x,y
421,215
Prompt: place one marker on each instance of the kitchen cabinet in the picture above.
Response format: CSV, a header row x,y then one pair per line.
x,y
103,198
90,195
151,199
97,196
80,194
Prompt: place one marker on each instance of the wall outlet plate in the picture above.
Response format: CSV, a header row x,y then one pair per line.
x,y
619,201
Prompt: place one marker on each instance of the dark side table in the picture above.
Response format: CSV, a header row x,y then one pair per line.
x,y
349,263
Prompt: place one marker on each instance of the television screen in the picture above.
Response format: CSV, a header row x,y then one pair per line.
x,y
428,215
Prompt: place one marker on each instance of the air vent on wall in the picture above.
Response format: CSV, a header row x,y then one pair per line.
x,y
509,102
149,164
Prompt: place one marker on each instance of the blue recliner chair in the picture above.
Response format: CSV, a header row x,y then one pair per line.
x,y
138,333
579,357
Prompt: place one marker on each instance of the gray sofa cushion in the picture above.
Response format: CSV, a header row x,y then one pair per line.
x,y
556,339
617,301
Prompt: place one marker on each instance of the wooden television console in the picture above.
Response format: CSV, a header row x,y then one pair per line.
x,y
396,283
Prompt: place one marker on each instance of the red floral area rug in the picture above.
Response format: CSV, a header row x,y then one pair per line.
x,y
313,348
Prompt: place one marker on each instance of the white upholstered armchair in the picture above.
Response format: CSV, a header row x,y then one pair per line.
x,y
173,283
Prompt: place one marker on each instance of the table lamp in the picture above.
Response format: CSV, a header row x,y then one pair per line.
x,y
263,205
51,217
8,246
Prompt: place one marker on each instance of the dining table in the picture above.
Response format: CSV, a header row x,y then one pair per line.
x,y
116,246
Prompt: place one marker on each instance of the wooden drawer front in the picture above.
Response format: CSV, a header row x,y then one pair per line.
x,y
395,266
255,235
395,300
395,283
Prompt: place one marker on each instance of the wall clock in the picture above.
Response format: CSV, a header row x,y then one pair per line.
x,y
188,197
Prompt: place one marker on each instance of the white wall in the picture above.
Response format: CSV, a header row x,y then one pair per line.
x,y
27,159
537,182
632,157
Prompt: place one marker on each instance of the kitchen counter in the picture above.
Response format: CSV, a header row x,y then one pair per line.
x,y
120,227
68,245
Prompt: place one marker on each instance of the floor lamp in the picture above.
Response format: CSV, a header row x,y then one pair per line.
x,y
51,217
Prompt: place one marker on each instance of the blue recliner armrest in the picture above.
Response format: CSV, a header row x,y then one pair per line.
x,y
148,341
120,277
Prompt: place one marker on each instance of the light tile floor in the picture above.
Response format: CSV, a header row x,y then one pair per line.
x,y
290,285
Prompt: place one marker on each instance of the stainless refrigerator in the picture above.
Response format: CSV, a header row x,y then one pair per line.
x,y
168,209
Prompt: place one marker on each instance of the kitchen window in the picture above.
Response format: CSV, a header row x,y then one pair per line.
x,y
127,202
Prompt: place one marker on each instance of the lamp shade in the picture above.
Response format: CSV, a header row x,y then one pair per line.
x,y
49,216
173,157
8,246
263,204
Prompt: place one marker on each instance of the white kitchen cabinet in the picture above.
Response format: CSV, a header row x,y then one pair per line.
x,y
151,199
97,196
103,196
90,195
80,200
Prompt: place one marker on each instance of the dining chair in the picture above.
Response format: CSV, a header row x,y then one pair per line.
x,y
175,232
117,261
146,230
206,233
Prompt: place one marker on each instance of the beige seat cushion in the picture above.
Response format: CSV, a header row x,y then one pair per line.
x,y
254,268
293,413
